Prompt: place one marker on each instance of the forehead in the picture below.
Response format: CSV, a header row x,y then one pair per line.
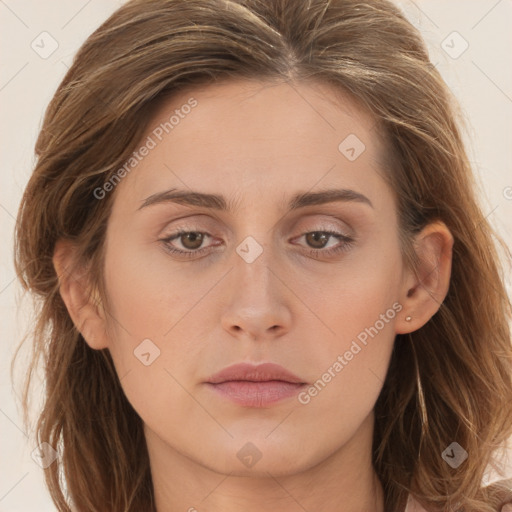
x,y
253,138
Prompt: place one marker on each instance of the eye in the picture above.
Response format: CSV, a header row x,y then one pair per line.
x,y
320,240
190,240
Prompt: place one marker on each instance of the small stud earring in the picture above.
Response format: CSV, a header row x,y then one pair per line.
x,y
408,318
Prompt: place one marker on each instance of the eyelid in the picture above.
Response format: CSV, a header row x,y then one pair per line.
x,y
341,227
333,222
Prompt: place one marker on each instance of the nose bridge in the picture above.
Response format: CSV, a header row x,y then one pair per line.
x,y
255,251
255,305
253,262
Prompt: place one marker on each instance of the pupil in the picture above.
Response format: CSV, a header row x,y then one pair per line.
x,y
319,236
195,237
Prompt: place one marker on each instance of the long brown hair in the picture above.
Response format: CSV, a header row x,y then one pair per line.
x,y
449,381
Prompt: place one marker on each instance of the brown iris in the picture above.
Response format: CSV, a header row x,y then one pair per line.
x,y
194,238
317,236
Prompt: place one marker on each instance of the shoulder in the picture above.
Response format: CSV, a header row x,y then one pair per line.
x,y
499,494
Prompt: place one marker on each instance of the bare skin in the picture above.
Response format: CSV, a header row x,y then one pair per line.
x,y
259,145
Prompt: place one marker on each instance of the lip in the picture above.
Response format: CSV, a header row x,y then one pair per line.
x,y
255,386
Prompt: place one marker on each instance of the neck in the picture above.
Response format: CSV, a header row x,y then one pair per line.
x,y
344,481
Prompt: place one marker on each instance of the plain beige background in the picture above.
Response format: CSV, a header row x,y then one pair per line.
x,y
469,41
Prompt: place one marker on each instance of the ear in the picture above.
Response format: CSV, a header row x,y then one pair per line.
x,y
425,288
84,308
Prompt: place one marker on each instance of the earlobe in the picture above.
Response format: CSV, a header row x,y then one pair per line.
x,y
425,288
83,308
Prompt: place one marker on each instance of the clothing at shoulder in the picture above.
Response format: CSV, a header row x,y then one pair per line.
x,y
413,505
501,489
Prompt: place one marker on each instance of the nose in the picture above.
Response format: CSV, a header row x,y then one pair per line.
x,y
258,294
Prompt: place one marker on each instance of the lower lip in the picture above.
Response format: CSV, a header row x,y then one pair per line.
x,y
256,394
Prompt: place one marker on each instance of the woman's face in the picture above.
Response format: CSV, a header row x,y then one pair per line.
x,y
259,279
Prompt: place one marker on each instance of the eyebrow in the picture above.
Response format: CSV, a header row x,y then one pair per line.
x,y
219,202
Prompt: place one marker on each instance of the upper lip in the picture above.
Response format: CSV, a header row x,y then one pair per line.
x,y
254,373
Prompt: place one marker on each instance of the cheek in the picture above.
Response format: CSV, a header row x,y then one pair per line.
x,y
148,294
352,295
358,306
153,299
350,366
148,339
148,303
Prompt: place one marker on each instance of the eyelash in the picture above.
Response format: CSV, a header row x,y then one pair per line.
x,y
346,244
